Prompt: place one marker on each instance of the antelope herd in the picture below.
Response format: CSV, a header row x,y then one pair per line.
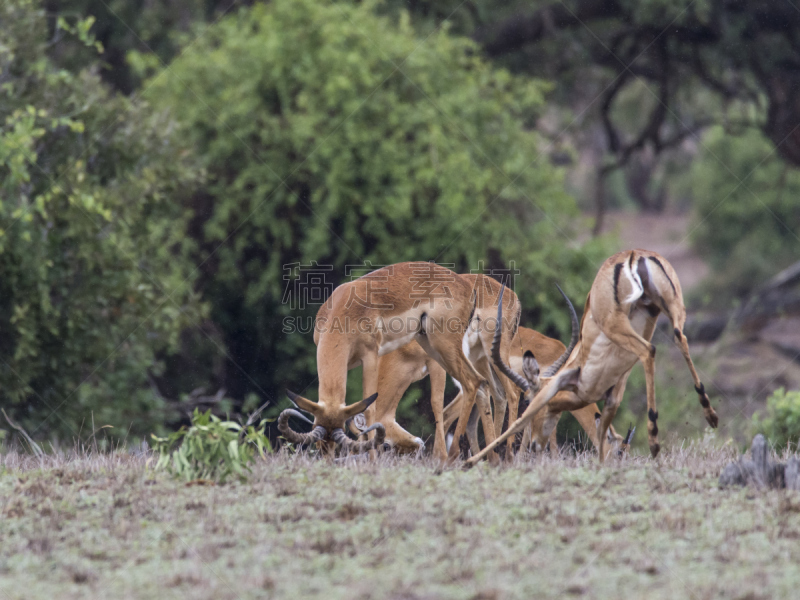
x,y
407,321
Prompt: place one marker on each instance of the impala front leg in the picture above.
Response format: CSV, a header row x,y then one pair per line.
x,y
438,380
609,411
370,386
619,330
564,380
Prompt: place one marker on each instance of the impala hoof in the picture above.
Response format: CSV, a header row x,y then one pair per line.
x,y
713,420
654,449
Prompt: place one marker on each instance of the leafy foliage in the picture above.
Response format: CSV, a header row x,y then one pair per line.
x,y
335,135
211,448
96,277
780,422
748,209
130,32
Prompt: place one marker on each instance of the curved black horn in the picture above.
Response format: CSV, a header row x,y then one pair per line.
x,y
366,430
553,369
296,413
629,437
352,447
518,380
318,433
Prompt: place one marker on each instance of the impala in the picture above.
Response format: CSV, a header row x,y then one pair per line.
x,y
547,351
397,370
372,316
630,291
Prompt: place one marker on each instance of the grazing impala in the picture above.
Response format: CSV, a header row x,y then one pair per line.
x,y
398,368
548,352
374,315
629,292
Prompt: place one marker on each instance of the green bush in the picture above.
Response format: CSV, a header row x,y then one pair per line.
x,y
780,421
334,135
211,448
746,222
96,280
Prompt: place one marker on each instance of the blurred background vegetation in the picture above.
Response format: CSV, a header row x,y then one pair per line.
x,y
163,161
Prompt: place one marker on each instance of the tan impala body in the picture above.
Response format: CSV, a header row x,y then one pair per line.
x,y
390,372
546,350
630,291
477,345
377,314
399,369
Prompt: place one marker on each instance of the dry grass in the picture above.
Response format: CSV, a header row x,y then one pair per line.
x,y
103,526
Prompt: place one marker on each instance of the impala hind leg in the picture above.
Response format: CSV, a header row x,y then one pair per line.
x,y
480,406
619,330
708,411
452,411
447,351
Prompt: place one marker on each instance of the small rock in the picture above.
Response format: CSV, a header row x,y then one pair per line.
x,y
761,472
792,474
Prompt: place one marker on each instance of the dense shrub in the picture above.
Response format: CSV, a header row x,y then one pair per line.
x,y
748,209
333,135
93,263
780,421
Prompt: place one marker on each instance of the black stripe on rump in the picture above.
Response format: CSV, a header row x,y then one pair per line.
x,y
617,271
658,262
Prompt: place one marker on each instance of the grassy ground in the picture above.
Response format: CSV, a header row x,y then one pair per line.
x,y
106,527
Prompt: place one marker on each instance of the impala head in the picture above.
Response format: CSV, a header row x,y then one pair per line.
x,y
623,444
329,422
532,382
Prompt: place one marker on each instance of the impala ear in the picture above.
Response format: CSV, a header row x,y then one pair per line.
x,y
530,368
359,407
303,403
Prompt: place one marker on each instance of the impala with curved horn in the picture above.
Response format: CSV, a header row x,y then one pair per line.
x,y
481,350
629,293
547,351
319,433
372,316
397,370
